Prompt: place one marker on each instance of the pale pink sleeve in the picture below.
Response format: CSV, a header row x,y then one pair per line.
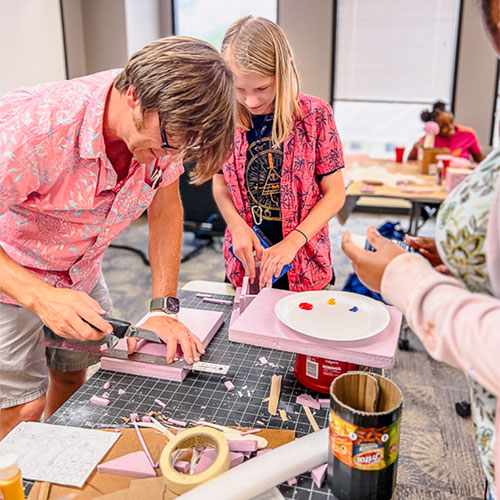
x,y
455,325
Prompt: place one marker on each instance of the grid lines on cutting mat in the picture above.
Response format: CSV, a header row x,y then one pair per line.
x,y
204,396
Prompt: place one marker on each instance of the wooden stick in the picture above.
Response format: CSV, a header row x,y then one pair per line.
x,y
309,414
274,394
44,491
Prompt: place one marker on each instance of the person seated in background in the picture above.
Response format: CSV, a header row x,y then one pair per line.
x,y
460,140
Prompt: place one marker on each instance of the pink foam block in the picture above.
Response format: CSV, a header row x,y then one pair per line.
x,y
134,417
263,361
307,400
263,452
146,418
251,431
259,326
99,401
243,445
324,403
106,385
182,466
318,474
204,324
229,385
134,465
161,403
292,481
209,456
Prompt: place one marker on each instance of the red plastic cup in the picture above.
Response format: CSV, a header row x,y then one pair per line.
x,y
446,164
400,151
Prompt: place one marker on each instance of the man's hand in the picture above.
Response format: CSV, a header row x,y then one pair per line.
x,y
172,332
370,266
64,312
245,242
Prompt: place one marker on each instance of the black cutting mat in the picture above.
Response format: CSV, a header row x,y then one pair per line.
x,y
203,395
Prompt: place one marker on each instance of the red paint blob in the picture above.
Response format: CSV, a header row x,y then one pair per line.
x,y
306,306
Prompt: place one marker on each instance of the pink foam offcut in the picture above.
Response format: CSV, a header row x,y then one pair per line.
x,y
318,475
99,401
204,324
307,400
134,465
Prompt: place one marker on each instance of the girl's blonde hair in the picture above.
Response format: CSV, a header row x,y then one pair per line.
x,y
192,88
258,45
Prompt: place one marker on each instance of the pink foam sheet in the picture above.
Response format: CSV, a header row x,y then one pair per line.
x,y
258,325
204,324
134,465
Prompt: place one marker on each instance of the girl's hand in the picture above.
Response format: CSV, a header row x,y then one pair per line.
x,y
279,255
370,266
245,242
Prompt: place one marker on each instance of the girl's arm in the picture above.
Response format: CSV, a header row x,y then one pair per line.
x,y
277,256
245,241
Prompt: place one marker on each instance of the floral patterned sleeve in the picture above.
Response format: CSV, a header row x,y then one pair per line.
x,y
329,155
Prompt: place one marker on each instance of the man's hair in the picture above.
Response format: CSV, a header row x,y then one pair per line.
x,y
192,88
257,45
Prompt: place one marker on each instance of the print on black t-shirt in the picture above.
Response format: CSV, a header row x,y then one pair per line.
x,y
263,178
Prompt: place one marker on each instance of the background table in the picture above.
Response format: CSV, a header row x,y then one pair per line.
x,y
386,173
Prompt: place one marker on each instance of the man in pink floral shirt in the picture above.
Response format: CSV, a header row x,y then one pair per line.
x,y
79,160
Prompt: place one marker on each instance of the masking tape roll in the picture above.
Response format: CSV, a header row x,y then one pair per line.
x,y
199,436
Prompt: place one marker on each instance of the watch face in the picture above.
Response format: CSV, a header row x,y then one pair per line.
x,y
173,304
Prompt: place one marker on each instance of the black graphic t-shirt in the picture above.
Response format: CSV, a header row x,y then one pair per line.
x,y
263,182
263,178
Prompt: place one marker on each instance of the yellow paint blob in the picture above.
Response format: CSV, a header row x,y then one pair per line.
x,y
331,302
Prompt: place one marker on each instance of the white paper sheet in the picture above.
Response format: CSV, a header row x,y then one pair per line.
x,y
55,453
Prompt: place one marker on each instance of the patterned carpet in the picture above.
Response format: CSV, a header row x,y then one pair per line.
x,y
437,456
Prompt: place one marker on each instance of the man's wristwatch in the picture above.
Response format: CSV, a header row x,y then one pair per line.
x,y
169,305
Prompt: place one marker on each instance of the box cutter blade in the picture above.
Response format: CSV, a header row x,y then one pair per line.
x,y
122,329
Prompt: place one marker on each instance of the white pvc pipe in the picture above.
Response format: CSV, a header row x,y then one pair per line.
x,y
260,474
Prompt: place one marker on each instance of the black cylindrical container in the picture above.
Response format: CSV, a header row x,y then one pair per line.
x,y
365,418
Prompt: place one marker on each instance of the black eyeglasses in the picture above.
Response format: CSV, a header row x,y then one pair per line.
x,y
165,144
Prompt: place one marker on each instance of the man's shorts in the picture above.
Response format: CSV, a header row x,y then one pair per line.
x,y
24,361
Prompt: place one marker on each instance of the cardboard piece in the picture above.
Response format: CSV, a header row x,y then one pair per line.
x,y
428,157
134,464
103,484
259,326
204,324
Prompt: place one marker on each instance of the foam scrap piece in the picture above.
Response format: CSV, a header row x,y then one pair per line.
x,y
263,452
203,296
318,475
134,417
99,401
324,403
263,361
179,423
229,385
134,465
121,391
146,418
242,445
161,403
105,395
182,466
292,481
307,400
235,458
251,431
106,385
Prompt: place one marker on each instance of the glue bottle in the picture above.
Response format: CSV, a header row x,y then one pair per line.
x,y
11,483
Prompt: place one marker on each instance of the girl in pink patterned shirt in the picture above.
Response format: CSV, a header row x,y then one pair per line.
x,y
283,176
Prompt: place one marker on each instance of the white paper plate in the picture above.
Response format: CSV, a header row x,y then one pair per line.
x,y
333,322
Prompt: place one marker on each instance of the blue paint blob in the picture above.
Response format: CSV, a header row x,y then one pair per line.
x,y
353,309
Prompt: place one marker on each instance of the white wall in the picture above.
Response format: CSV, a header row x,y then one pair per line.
x,y
31,43
143,23
476,75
